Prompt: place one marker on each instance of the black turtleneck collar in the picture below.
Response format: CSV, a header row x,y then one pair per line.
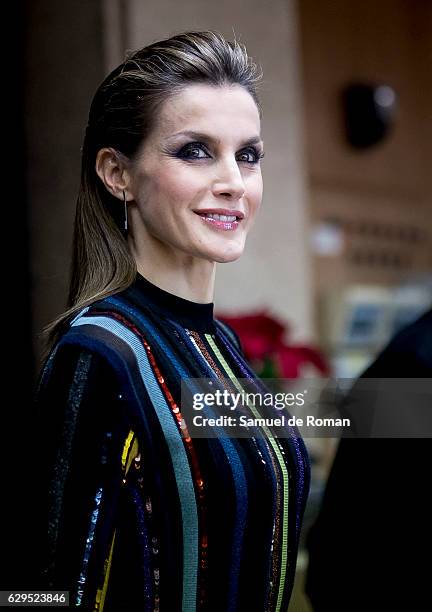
x,y
192,315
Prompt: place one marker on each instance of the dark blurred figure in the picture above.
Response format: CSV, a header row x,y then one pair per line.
x,y
370,548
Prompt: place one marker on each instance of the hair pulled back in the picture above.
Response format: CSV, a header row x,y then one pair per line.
x,y
122,115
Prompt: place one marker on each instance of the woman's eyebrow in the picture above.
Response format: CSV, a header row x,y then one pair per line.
x,y
201,136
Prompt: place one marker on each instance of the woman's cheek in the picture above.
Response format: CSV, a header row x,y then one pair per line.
x,y
179,191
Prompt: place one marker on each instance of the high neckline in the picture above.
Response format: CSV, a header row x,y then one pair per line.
x,y
193,315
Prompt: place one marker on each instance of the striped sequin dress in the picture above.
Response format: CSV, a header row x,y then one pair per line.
x,y
134,513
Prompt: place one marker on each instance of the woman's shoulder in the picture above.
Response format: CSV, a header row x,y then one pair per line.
x,y
113,314
102,329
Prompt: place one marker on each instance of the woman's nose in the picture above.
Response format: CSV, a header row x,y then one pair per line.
x,y
229,181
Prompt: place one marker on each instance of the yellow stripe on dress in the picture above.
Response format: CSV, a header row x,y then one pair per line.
x,y
129,453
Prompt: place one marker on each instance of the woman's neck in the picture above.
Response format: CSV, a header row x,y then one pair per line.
x,y
195,283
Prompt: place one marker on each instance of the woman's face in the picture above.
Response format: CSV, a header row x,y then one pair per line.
x,y
196,181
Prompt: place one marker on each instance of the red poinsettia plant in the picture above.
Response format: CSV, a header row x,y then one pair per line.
x,y
264,342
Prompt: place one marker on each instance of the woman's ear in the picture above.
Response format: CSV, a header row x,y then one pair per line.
x,y
112,169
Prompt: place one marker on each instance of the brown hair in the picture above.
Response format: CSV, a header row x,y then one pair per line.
x,y
122,114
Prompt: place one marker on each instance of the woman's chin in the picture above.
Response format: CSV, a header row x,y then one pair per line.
x,y
224,251
227,255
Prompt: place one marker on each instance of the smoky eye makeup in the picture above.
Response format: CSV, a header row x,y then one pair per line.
x,y
256,153
199,150
190,150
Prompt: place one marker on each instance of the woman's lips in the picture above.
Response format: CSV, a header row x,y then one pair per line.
x,y
221,219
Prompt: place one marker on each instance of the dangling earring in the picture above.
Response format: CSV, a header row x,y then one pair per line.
x,y
125,211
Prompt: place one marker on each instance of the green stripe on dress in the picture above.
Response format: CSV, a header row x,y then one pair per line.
x,y
284,545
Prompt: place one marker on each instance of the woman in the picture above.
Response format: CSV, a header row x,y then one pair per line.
x,y
138,515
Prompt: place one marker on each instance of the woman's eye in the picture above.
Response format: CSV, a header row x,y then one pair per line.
x,y
251,155
193,150
196,150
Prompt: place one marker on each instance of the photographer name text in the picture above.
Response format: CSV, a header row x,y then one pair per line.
x,y
280,421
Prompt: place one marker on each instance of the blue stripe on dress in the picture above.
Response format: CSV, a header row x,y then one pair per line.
x,y
177,451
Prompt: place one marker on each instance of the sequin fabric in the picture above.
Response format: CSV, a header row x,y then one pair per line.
x,y
139,515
